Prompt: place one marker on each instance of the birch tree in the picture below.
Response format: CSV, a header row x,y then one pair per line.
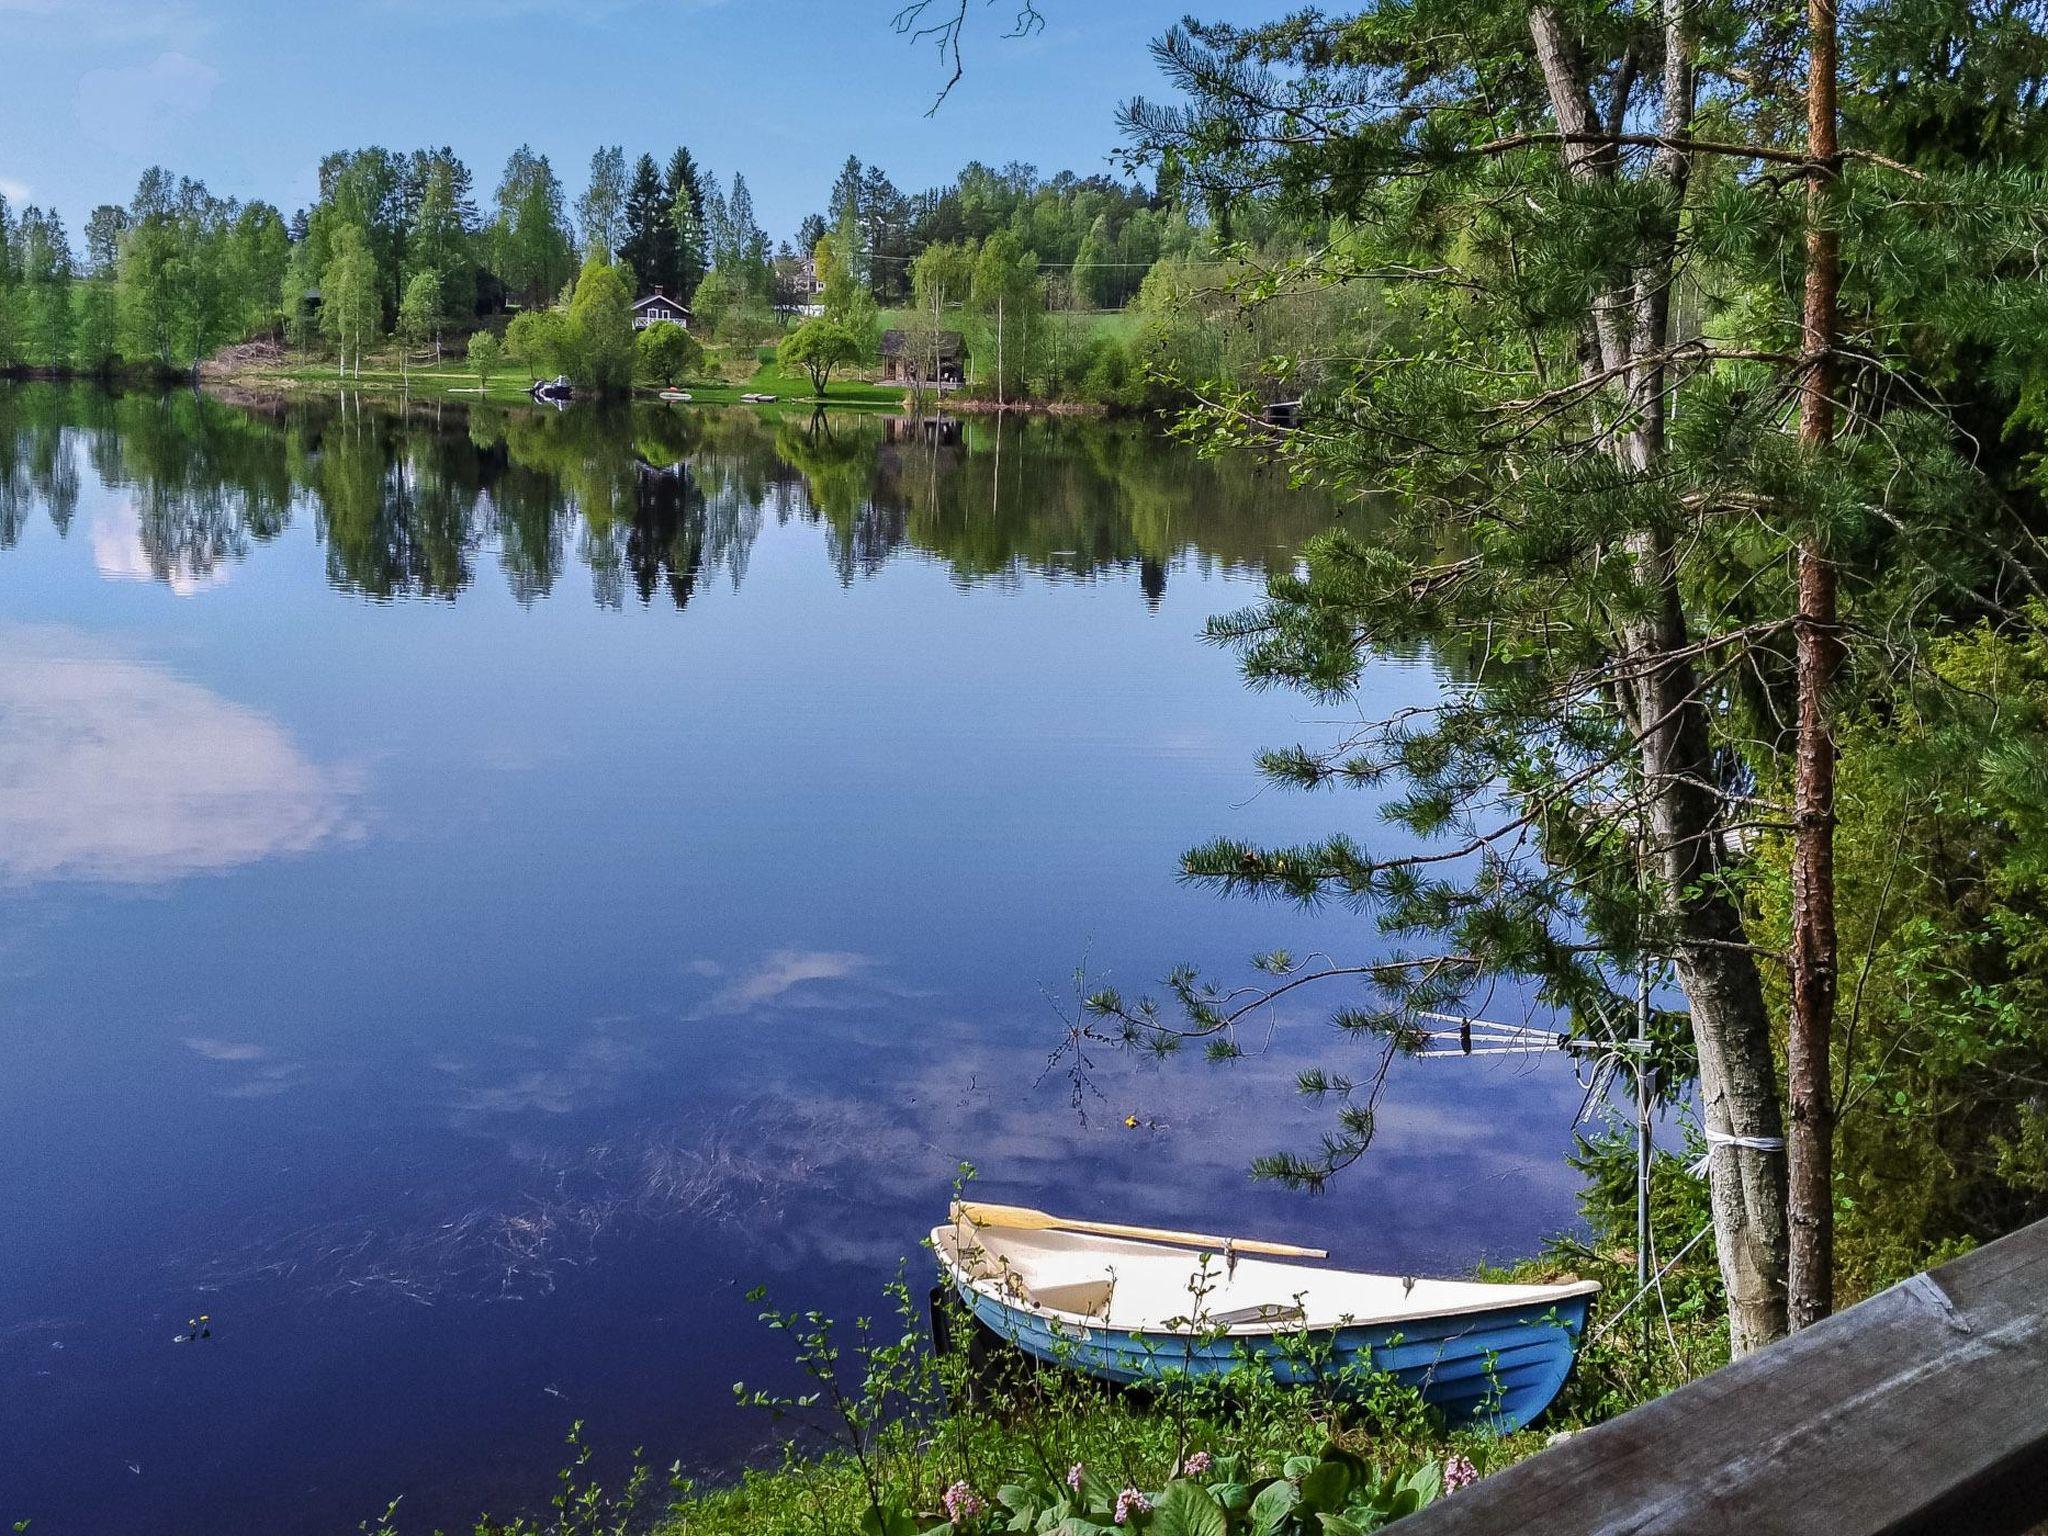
x,y
601,210
350,301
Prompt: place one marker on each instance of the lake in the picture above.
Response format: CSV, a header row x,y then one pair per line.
x,y
480,891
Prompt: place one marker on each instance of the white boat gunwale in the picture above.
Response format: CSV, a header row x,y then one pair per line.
x,y
947,1239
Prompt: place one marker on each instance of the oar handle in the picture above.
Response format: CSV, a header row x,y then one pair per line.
x,y
1035,1220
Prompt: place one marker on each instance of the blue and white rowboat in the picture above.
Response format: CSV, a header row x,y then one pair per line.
x,y
1132,1309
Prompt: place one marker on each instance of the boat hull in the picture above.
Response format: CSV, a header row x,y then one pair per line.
x,y
1495,1370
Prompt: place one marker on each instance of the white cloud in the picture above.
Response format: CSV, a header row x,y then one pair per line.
x,y
16,192
117,771
128,108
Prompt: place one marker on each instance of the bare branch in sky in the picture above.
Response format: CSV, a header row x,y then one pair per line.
x,y
944,23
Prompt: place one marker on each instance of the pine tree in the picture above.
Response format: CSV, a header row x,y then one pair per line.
x,y
1601,497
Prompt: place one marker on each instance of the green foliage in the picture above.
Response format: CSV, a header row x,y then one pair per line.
x,y
486,354
1335,1492
1007,296
601,315
601,211
420,310
649,250
665,352
590,339
350,310
1559,527
712,301
528,244
817,347
96,333
1942,866
544,340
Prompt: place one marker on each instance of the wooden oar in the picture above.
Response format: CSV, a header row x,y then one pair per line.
x,y
1027,1219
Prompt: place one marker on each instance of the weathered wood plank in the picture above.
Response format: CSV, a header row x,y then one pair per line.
x,y
1924,1410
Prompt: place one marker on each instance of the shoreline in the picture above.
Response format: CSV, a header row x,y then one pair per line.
x,y
231,384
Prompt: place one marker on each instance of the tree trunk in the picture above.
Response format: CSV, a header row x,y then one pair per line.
x,y
1730,1025
1738,1072
1811,1031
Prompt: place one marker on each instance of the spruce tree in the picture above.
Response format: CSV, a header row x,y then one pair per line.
x,y
684,188
650,246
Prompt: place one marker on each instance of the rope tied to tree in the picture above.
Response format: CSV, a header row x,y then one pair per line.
x,y
1728,1139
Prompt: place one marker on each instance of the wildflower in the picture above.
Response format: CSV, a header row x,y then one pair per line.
x,y
1195,1465
962,1503
1130,1502
1458,1473
1074,1477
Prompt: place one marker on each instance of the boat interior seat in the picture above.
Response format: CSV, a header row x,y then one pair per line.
x,y
1078,1283
1083,1298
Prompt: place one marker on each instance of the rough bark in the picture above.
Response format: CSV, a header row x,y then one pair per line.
x,y
1811,1030
1730,1025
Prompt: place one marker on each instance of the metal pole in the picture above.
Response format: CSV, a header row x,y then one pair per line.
x,y
1643,1142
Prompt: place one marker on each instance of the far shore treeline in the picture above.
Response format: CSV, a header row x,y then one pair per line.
x,y
1064,287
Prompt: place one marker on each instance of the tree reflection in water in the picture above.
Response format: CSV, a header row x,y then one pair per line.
x,y
413,502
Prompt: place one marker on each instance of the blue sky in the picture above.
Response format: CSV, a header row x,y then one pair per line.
x,y
247,96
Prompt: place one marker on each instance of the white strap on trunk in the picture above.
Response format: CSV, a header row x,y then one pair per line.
x,y
1729,1139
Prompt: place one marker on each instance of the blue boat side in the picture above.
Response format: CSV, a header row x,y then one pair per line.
x,y
1496,1370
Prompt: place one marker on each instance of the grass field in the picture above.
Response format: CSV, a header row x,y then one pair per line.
x,y
381,374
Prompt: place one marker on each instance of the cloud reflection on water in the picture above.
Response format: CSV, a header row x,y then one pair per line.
x,y
119,553
118,771
781,972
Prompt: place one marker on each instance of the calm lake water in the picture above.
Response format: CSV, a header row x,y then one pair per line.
x,y
479,892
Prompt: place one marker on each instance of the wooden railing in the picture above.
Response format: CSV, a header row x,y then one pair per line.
x,y
1921,1412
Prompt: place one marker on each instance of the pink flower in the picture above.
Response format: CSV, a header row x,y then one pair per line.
x,y
1130,1502
1458,1473
962,1503
1195,1465
1074,1477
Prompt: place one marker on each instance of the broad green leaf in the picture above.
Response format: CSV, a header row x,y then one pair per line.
x,y
1234,1497
1275,1502
1427,1480
1327,1485
1187,1509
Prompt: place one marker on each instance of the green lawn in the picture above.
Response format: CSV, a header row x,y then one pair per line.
x,y
381,373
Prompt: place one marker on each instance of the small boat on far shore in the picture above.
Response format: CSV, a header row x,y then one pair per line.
x,y
1134,1304
675,394
554,390
758,399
